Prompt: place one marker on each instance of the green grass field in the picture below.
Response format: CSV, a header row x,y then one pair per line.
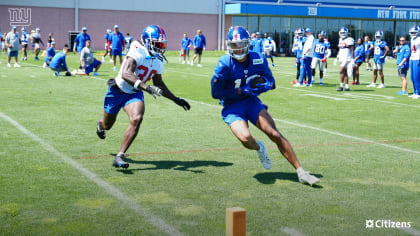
x,y
186,168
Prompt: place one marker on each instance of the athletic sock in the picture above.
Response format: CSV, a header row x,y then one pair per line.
x,y
341,85
347,85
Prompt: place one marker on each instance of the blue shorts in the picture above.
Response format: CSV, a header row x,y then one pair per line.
x,y
116,52
90,68
298,60
13,53
115,99
245,110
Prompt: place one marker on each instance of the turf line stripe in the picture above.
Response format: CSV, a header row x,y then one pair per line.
x,y
154,220
291,231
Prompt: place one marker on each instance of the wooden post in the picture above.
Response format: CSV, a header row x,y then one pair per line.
x,y
235,221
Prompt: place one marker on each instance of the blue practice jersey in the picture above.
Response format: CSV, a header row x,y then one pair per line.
x,y
359,51
106,37
50,53
404,52
186,42
80,40
117,40
301,43
24,37
59,61
320,49
128,40
379,51
257,45
367,46
230,74
199,41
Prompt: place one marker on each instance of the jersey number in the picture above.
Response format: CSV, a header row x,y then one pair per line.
x,y
377,51
145,76
319,49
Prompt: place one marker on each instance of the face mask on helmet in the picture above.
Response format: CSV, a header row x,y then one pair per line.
x,y
343,34
238,49
378,36
414,32
157,46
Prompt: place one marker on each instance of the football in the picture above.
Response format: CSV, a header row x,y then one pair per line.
x,y
257,80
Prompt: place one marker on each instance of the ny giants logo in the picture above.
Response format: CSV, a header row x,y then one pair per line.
x,y
20,16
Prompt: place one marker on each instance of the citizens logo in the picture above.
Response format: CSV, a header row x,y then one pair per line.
x,y
388,224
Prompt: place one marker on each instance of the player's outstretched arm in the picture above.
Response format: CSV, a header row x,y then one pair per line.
x,y
158,82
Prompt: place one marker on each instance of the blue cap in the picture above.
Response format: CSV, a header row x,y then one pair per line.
x,y
308,30
116,27
13,27
84,28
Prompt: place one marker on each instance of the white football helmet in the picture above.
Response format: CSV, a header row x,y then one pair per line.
x,y
344,32
414,32
379,35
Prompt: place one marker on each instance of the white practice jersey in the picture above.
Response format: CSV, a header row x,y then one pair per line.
x,y
147,67
415,48
269,45
345,52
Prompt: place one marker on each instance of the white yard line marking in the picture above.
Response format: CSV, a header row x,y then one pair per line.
x,y
368,95
411,231
323,96
154,220
291,232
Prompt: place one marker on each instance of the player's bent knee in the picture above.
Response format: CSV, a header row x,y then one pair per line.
x,y
136,120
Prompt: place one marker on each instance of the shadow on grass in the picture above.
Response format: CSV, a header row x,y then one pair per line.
x,y
271,177
175,165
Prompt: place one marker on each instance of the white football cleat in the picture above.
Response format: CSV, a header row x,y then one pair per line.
x,y
8,65
183,62
262,154
16,65
305,177
199,65
381,86
298,85
372,85
415,96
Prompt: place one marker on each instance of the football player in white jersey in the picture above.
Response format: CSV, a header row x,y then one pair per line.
x,y
415,60
144,62
345,57
36,40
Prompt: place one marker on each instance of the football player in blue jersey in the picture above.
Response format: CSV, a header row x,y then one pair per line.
x,y
381,49
128,39
359,58
320,56
257,43
24,41
107,46
300,42
233,84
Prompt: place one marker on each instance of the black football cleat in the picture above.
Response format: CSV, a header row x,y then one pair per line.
x,y
346,89
119,161
100,132
340,89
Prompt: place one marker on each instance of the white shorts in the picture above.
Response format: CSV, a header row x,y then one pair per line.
x,y
37,46
378,66
268,52
344,63
316,62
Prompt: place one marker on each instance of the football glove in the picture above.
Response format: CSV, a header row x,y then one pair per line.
x,y
154,91
182,103
247,90
263,87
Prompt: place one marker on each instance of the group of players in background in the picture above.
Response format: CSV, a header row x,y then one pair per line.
x,y
312,53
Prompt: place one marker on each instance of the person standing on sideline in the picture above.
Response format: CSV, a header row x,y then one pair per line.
x,y
24,41
12,44
117,45
403,63
107,46
307,54
80,40
415,60
50,39
345,57
199,43
359,58
50,55
380,51
186,44
231,85
368,45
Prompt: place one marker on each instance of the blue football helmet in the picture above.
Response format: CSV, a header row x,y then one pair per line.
x,y
154,39
299,32
237,42
344,32
414,31
378,35
322,33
